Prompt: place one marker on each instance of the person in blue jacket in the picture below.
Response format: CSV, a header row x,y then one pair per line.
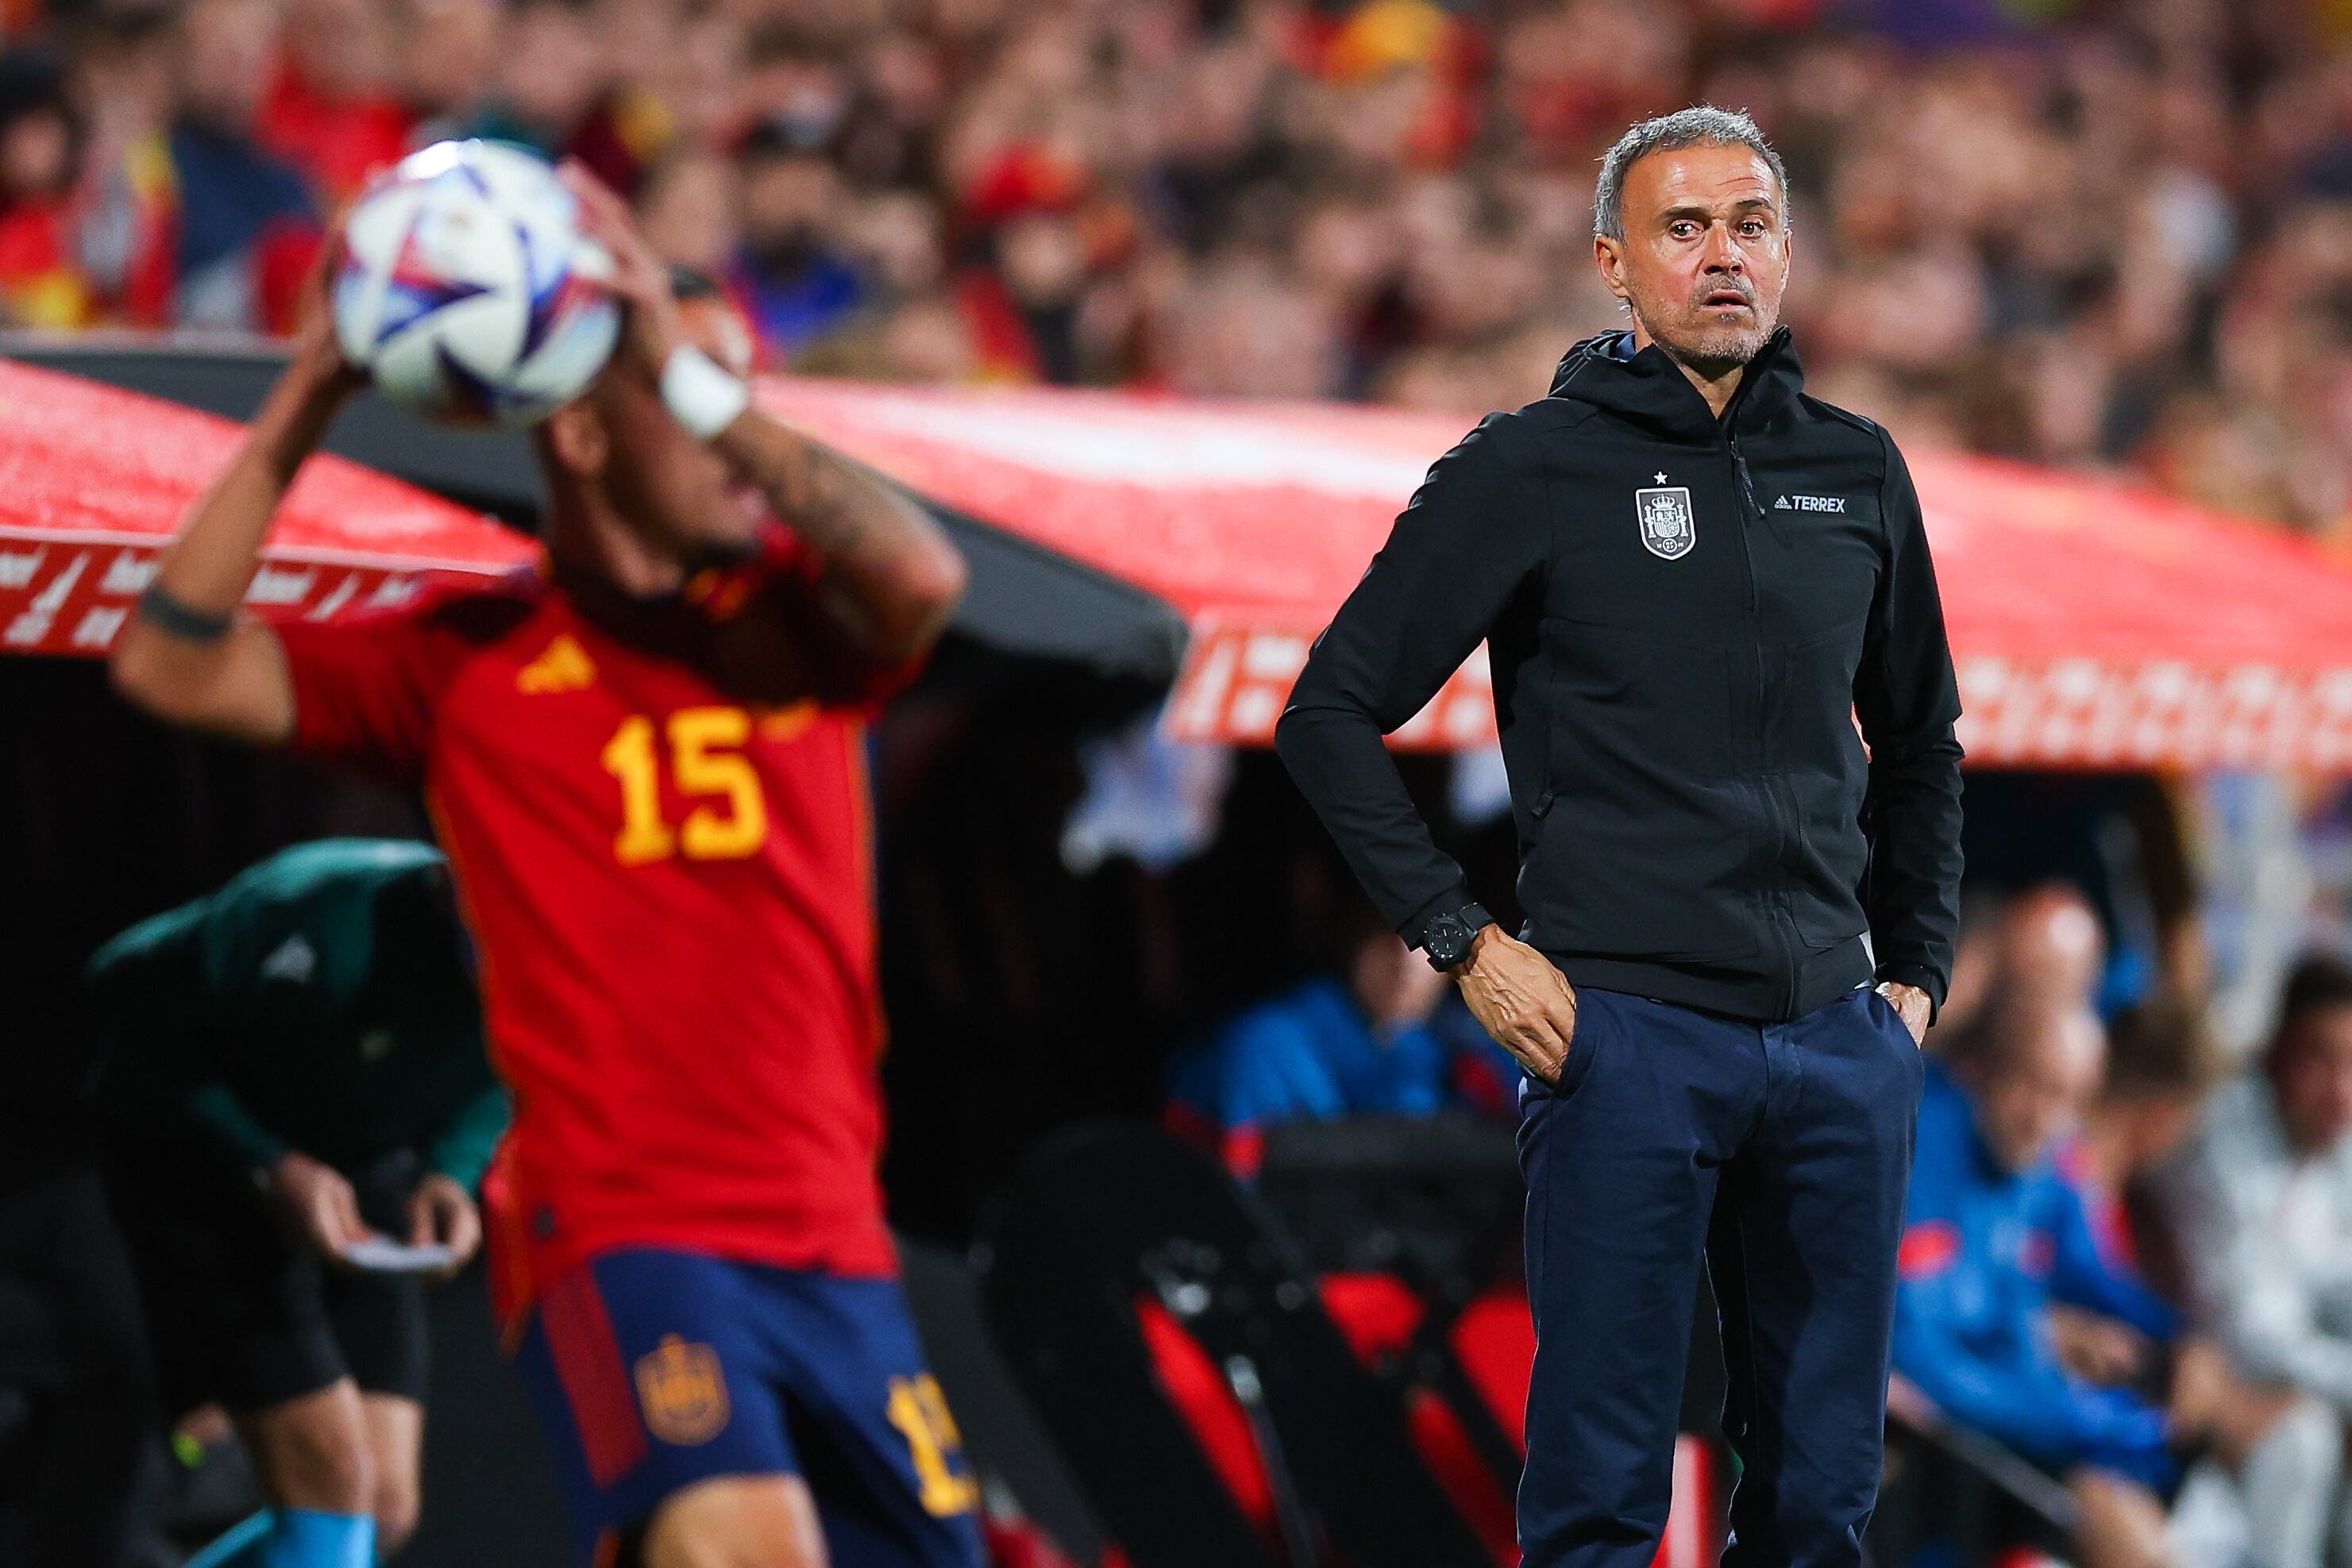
x,y
1994,1238
1374,1038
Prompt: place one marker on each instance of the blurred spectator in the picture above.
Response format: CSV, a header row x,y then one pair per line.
x,y
332,109
2265,1199
1361,1042
686,206
2012,1319
446,60
2052,950
245,226
1994,1236
2040,947
791,279
549,74
2161,1063
40,137
2281,1446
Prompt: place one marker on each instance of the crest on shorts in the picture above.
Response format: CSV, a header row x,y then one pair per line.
x,y
1667,530
683,1395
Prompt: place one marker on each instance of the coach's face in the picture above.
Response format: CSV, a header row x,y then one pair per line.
x,y
1704,256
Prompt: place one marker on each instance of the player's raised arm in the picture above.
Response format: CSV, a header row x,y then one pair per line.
x,y
891,577
187,655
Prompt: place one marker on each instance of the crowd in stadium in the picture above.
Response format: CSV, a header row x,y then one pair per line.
x,y
2071,232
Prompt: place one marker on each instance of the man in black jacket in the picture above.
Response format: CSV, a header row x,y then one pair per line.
x,y
1692,580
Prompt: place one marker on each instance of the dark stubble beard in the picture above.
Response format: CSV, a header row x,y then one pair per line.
x,y
1710,352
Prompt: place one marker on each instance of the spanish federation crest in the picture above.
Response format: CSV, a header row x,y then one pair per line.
x,y
682,1392
1668,531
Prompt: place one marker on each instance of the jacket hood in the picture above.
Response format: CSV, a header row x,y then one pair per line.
x,y
1649,389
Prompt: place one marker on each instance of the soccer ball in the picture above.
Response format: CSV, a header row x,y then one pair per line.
x,y
467,292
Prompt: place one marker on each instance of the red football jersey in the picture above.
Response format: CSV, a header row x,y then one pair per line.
x,y
669,879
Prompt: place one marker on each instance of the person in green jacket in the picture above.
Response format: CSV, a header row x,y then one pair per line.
x,y
293,1077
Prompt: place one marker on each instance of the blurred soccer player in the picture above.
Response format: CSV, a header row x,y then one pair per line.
x,y
292,1064
645,758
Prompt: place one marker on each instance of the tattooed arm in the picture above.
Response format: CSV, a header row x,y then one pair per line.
x,y
891,577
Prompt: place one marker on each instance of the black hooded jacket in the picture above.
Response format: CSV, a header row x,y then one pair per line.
x,y
1686,617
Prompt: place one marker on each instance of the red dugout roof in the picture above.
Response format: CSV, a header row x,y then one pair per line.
x,y
93,480
2095,624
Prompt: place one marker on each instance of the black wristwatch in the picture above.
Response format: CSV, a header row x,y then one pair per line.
x,y
1446,939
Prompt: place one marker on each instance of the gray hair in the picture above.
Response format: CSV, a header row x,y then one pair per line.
x,y
1704,126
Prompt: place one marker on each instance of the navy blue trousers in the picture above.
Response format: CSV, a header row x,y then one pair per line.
x,y
1776,1155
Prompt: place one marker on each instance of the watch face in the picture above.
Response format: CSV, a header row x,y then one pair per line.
x,y
1445,939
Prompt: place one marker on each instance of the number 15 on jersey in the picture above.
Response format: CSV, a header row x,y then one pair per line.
x,y
706,762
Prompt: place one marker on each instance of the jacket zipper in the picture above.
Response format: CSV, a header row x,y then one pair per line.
x,y
1777,899
1748,489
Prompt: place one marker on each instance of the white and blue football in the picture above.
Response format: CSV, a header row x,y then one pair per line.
x,y
467,291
